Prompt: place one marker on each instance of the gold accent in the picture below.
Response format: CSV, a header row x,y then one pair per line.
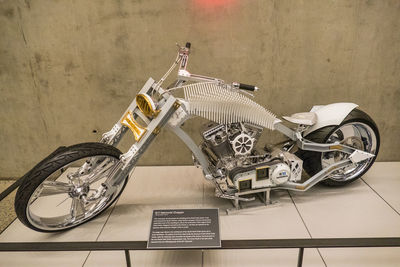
x,y
260,168
157,130
331,169
301,187
338,147
129,121
176,105
263,167
243,181
146,105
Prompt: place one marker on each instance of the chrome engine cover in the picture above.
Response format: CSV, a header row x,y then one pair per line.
x,y
242,144
232,155
230,145
280,173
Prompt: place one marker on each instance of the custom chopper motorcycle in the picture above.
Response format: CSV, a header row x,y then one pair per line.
x,y
335,144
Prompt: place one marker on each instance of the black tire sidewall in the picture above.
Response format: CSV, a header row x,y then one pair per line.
x,y
45,168
314,158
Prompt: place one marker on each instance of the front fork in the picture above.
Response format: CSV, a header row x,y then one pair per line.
x,y
129,159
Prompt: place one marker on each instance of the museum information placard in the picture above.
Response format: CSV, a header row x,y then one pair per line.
x,y
184,228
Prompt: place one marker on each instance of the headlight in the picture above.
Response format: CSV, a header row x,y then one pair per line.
x,y
146,105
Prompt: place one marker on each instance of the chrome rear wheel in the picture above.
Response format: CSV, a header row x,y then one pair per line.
x,y
354,134
357,130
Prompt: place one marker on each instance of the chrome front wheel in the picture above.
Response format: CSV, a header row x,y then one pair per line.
x,y
68,188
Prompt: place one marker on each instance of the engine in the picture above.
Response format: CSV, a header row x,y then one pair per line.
x,y
231,151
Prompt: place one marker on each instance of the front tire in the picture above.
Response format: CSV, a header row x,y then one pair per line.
x,y
357,130
59,193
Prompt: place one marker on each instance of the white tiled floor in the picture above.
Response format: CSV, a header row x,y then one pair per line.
x,y
385,180
365,257
350,211
366,208
65,258
260,257
152,258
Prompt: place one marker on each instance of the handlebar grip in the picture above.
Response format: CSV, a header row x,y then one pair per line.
x,y
248,87
188,45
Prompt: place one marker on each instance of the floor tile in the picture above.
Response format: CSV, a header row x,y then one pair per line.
x,y
43,259
145,258
105,258
17,232
152,188
355,210
154,185
169,258
384,178
350,211
366,257
186,188
261,257
280,220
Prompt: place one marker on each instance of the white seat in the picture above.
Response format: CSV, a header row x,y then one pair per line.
x,y
305,118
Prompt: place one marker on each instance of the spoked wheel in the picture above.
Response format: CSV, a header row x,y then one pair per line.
x,y
357,130
68,188
357,135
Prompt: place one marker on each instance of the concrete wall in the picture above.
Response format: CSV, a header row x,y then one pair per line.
x,y
68,68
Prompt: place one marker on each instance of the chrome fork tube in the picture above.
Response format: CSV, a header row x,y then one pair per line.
x,y
130,158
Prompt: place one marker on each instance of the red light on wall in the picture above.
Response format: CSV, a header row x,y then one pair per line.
x,y
213,3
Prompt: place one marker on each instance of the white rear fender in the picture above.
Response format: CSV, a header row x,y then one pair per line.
x,y
332,114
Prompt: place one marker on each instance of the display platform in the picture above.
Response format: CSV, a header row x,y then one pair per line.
x,y
369,207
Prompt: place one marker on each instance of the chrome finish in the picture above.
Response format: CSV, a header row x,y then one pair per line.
x,y
263,194
108,137
357,135
318,177
68,198
342,147
130,158
220,104
242,144
113,136
184,75
285,130
194,148
84,188
217,101
166,112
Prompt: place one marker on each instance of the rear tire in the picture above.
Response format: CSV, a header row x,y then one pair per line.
x,y
313,162
47,175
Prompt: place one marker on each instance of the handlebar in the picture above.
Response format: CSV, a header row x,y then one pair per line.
x,y
184,55
184,75
247,87
244,86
